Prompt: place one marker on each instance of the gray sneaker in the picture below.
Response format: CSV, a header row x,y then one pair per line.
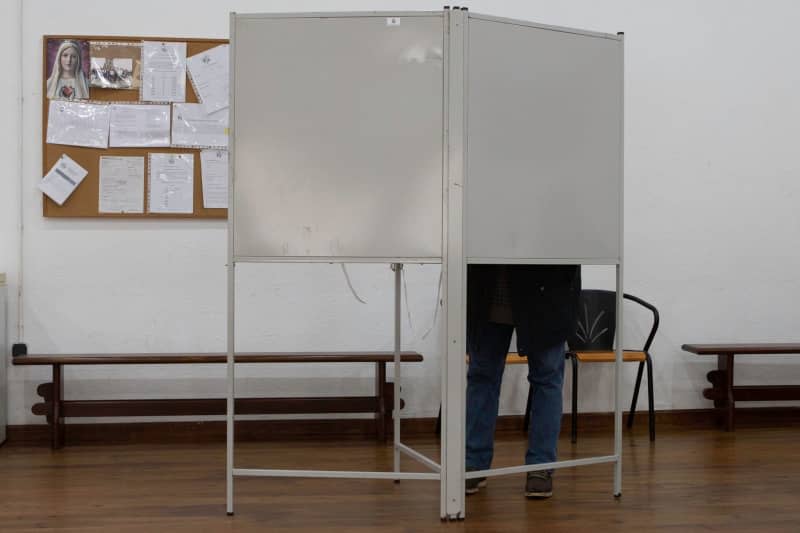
x,y
539,485
471,486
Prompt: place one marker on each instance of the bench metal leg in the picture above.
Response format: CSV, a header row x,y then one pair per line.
x,y
56,421
725,365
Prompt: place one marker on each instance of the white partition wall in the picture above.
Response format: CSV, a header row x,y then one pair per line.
x,y
441,137
544,164
545,144
339,137
336,156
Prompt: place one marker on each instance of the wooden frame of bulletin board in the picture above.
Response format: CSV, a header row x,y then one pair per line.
x,y
84,200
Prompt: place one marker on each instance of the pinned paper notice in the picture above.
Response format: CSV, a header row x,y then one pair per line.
x,y
63,178
163,72
191,126
208,72
121,184
171,183
214,172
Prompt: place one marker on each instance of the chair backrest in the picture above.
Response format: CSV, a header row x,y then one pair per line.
x,y
597,311
596,326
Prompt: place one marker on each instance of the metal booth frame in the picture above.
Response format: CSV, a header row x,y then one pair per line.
x,y
450,470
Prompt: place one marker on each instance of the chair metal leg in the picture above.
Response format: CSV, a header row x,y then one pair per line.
x,y
574,398
650,398
635,394
527,422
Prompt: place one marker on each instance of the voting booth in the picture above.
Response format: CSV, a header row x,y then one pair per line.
x,y
424,137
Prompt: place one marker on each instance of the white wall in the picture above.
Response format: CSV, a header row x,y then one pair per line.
x,y
712,223
9,171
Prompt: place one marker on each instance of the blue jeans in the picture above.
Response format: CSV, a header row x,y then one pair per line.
x,y
486,364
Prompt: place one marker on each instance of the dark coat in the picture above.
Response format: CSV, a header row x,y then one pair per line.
x,y
544,301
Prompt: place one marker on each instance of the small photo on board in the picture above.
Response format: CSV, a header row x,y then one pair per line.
x,y
67,69
115,65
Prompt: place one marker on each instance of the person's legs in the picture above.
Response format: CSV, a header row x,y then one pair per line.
x,y
546,376
487,359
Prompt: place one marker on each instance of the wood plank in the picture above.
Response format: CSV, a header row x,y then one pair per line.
x,y
628,356
766,393
213,358
756,393
769,348
217,406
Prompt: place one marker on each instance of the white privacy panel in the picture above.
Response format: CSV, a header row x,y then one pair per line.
x,y
544,178
338,137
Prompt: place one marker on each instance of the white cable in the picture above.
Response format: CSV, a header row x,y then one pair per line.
x,y
408,305
438,304
349,284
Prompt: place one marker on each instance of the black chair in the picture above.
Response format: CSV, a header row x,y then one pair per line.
x,y
593,342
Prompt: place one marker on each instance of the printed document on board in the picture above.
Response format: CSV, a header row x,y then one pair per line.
x,y
121,184
191,126
77,124
171,183
214,172
209,74
163,72
139,125
63,178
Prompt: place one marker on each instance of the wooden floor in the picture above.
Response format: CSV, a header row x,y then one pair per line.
x,y
689,480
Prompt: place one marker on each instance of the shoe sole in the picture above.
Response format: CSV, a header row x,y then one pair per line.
x,y
481,484
538,495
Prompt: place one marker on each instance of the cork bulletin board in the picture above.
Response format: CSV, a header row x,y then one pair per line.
x,y
84,201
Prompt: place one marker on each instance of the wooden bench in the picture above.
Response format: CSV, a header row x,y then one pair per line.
x,y
725,394
55,408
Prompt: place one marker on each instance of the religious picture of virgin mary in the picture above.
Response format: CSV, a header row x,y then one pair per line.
x,y
67,69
